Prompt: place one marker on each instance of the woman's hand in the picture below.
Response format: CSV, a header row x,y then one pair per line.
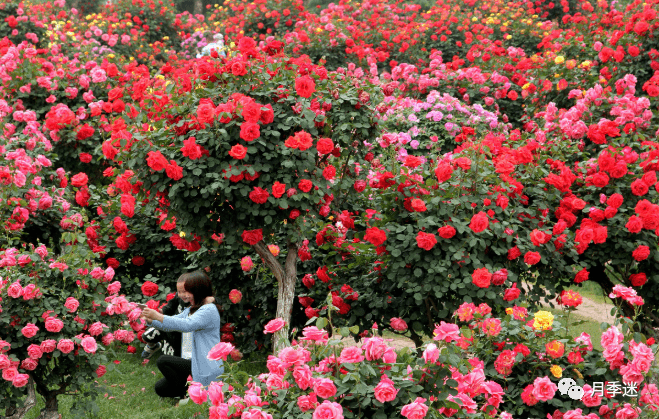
x,y
150,315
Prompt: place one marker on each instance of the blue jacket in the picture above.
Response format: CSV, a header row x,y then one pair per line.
x,y
205,327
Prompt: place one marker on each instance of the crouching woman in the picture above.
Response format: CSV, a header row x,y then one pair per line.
x,y
200,328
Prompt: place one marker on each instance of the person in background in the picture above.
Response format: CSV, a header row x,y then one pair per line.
x,y
217,44
200,327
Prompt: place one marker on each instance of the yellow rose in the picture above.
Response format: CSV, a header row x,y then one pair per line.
x,y
543,320
181,234
559,60
556,371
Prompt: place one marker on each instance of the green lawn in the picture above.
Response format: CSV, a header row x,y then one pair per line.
x,y
129,393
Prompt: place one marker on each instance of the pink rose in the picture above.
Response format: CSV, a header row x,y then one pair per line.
x,y
415,410
544,389
274,325
15,290
96,329
389,356
628,412
374,348
294,356
303,376
398,324
65,345
54,325
20,380
89,345
197,393
29,364
215,393
9,374
431,354
71,304
313,334
255,414
328,410
447,332
48,346
34,351
30,330
590,398
306,403
220,351
114,287
351,355
324,387
385,390
4,362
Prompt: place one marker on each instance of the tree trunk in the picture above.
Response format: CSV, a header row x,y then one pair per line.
x,y
286,277
30,402
50,411
198,7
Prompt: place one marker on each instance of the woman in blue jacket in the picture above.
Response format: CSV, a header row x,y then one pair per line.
x,y
200,328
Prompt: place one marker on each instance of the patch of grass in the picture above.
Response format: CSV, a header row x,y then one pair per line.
x,y
579,324
129,393
593,291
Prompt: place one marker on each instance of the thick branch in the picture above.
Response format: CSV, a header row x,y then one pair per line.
x,y
271,261
30,402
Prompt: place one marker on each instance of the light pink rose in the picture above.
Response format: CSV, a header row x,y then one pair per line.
x,y
197,393
390,356
431,354
220,351
303,377
20,380
415,410
114,287
107,339
385,390
328,410
351,355
631,374
313,334
255,414
274,325
30,330
544,389
71,304
324,387
612,336
89,345
4,362
590,398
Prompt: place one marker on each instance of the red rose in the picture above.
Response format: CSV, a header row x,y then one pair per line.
x,y
418,205
479,222
174,171
305,185
85,132
330,172
191,149
619,170
249,131
259,195
425,241
138,260
268,115
156,161
446,232
305,86
113,263
514,253
324,146
532,258
79,180
149,289
85,157
375,236
499,277
634,224
360,185
638,280
639,188
444,172
252,237
278,189
206,113
511,293
294,214
238,68
481,277
100,371
238,152
251,112
641,253
650,178
581,276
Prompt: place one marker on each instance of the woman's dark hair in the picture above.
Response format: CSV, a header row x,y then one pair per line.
x,y
199,285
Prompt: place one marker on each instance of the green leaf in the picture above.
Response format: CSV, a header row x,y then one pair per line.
x,y
321,322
